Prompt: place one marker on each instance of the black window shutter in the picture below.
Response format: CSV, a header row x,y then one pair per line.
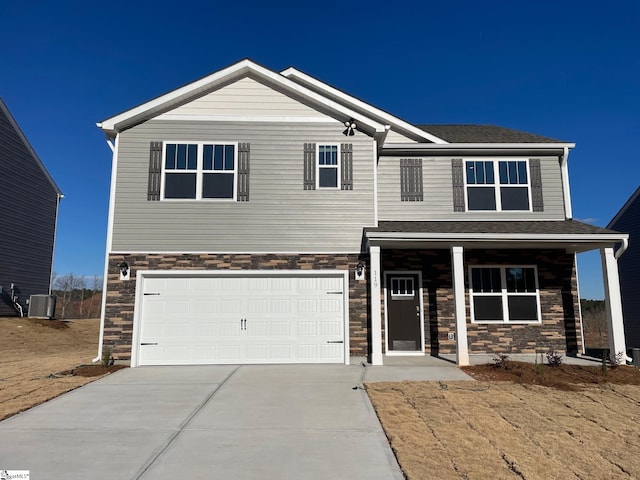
x,y
346,166
155,171
536,185
457,175
309,166
243,171
411,180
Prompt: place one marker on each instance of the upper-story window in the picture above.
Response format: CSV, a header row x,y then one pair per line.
x,y
497,185
328,166
199,171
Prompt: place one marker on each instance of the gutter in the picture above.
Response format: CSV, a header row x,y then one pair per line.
x,y
467,146
623,248
483,237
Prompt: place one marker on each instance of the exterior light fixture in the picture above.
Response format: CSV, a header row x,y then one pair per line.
x,y
351,126
124,270
360,270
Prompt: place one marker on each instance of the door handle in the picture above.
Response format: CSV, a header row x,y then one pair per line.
x,y
243,324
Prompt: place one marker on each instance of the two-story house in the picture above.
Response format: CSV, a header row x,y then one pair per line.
x,y
267,217
29,199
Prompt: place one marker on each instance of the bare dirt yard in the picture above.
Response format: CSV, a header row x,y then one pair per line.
x,y
41,359
520,422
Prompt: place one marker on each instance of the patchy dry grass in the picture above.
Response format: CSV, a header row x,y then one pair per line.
x,y
506,430
36,359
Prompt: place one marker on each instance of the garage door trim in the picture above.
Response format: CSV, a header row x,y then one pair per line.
x,y
141,275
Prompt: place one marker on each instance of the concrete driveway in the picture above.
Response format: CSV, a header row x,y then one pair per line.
x,y
204,422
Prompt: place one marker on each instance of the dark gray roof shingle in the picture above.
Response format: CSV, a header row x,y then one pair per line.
x,y
484,134
567,227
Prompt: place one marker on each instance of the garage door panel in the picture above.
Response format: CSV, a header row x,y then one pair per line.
x,y
206,329
279,329
330,328
252,319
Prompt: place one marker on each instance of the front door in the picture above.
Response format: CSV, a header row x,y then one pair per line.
x,y
404,331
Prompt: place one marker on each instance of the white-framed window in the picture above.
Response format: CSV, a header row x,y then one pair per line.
x,y
328,166
199,171
402,287
497,185
504,294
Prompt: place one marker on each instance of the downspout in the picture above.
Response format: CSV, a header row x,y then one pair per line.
x,y
112,191
564,169
617,255
575,262
55,236
14,299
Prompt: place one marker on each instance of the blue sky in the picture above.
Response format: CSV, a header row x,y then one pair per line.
x,y
565,69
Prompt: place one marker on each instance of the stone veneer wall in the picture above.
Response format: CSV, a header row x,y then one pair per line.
x,y
118,329
560,327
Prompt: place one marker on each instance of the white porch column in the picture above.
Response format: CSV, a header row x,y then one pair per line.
x,y
457,267
613,303
376,310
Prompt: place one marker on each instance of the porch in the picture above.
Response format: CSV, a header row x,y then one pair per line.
x,y
506,254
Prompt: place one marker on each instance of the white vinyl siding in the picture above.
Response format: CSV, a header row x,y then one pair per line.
x,y
277,218
438,193
246,97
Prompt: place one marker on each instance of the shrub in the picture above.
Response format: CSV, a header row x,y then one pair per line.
x,y
554,358
501,360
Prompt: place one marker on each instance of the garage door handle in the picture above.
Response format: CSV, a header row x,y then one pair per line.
x,y
335,341
149,343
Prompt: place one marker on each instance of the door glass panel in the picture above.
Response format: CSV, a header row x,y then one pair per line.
x,y
402,287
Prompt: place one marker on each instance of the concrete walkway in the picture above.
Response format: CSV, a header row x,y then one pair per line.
x,y
203,422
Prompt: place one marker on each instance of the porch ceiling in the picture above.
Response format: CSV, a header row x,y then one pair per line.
x,y
570,235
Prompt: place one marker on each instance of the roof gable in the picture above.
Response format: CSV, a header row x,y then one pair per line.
x,y
396,124
226,76
247,98
7,119
627,205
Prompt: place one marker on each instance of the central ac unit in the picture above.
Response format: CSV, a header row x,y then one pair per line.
x,y
42,306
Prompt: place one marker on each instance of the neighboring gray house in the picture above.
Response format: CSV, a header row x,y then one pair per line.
x,y
265,217
29,201
628,220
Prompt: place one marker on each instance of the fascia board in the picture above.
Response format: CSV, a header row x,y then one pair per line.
x,y
476,146
385,117
488,237
121,121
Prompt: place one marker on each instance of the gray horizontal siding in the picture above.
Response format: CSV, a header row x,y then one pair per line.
x,y
629,270
438,194
28,202
280,216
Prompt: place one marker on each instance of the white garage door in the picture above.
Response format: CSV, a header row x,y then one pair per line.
x,y
250,319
